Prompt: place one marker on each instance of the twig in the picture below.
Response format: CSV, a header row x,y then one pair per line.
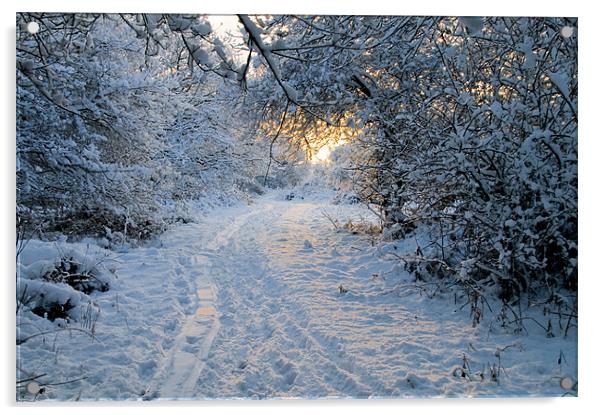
x,y
64,383
42,333
30,378
334,222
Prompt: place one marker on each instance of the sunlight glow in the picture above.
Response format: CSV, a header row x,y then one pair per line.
x,y
324,154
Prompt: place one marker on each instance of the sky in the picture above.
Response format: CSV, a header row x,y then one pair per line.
x,y
224,23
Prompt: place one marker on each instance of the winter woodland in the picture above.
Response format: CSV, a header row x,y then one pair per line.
x,y
298,206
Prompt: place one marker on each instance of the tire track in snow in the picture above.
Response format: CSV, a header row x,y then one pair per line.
x,y
179,370
270,344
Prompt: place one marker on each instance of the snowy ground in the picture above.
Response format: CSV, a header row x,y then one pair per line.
x,y
246,303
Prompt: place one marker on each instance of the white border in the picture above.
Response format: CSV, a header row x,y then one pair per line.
x,y
590,372
369,7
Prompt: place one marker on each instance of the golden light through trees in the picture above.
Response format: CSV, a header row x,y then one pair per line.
x,y
314,138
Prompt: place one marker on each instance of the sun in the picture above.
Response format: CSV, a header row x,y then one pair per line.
x,y
323,155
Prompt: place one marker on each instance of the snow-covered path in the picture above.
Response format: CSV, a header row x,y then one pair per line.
x,y
286,330
246,304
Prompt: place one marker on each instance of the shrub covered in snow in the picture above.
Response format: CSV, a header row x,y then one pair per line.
x,y
55,281
484,151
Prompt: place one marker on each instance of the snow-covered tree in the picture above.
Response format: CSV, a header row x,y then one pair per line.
x,y
112,126
469,126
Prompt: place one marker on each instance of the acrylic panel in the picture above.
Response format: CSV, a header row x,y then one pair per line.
x,y
295,206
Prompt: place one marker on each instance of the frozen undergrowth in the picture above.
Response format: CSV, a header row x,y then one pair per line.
x,y
270,300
